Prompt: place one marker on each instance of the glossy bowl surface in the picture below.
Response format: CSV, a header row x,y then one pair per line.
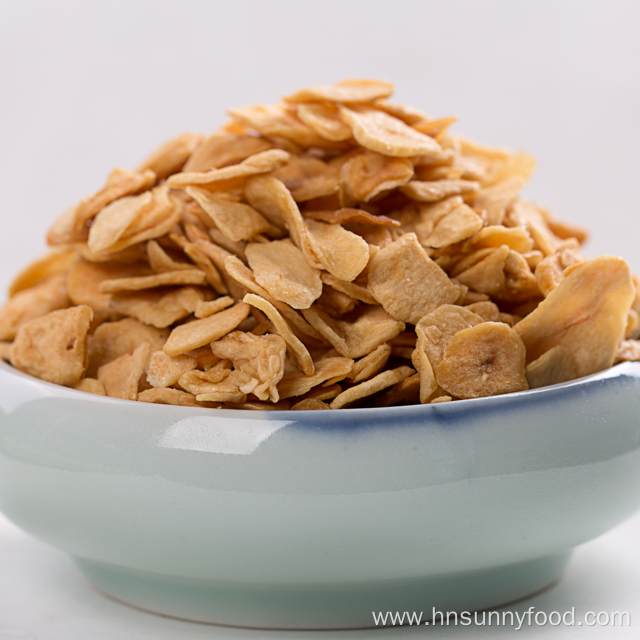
x,y
317,519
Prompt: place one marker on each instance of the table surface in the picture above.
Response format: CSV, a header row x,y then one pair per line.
x,y
43,596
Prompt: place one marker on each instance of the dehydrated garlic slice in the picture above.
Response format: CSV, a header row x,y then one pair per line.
x,y
197,333
85,277
261,357
53,346
586,313
325,120
297,384
72,225
359,337
173,397
164,370
485,360
280,267
208,308
236,220
157,308
371,364
120,377
368,174
183,276
407,283
300,352
170,157
233,177
344,92
309,404
382,133
436,190
552,367
369,387
457,225
224,148
26,305
114,339
57,261
91,385
308,178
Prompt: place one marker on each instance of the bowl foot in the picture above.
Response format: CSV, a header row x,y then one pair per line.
x,y
330,606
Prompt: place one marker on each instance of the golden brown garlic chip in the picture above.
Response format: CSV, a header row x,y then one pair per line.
x,y
495,199
84,278
403,392
368,174
91,385
114,339
72,225
325,120
261,357
133,219
344,92
552,367
308,178
172,155
436,190
371,364
233,388
628,351
204,309
241,274
120,377
351,217
235,176
586,313
351,289
158,308
358,337
550,270
279,123
460,223
28,304
280,267
494,236
183,276
173,397
298,383
53,346
197,333
236,220
59,260
485,360
407,283
369,387
223,148
165,371
199,382
310,404
300,352
382,133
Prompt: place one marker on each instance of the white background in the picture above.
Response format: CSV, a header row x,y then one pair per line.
x,y
86,86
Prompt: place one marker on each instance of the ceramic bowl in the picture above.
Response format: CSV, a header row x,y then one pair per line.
x,y
317,519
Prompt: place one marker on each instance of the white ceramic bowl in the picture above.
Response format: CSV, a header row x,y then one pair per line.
x,y
317,519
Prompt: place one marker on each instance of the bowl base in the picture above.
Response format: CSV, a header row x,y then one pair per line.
x,y
332,606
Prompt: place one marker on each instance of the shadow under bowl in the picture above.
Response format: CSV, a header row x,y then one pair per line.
x,y
317,519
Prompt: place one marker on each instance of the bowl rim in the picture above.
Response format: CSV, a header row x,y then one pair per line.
x,y
622,369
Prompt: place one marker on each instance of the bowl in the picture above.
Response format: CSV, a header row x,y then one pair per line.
x,y
317,519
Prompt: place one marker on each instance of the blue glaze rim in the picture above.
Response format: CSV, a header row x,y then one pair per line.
x,y
353,417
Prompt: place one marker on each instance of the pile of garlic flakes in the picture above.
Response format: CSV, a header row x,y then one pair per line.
x,y
332,250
